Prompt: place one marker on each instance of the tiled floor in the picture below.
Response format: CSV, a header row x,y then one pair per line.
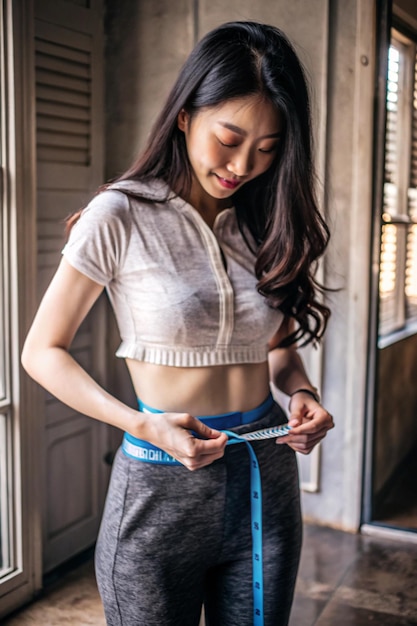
x,y
344,580
355,580
71,601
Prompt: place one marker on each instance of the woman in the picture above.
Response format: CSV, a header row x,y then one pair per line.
x,y
206,247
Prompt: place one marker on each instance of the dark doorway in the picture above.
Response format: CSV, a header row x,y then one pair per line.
x,y
390,486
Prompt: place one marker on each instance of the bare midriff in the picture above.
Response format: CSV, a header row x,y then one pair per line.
x,y
200,390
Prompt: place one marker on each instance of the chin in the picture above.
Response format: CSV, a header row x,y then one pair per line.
x,y
221,192
218,194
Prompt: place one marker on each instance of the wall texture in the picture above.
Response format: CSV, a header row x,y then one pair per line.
x,y
147,42
348,186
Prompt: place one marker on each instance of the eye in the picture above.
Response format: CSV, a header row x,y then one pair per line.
x,y
225,144
269,150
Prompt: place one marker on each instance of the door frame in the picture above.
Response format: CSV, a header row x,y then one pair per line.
x,y
383,21
19,190
386,20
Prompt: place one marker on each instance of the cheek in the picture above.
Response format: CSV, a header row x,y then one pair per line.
x,y
207,155
213,152
263,164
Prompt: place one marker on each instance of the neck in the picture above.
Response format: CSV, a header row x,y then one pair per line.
x,y
207,206
208,213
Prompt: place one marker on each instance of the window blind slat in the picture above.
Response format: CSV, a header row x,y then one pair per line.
x,y
411,253
388,252
63,96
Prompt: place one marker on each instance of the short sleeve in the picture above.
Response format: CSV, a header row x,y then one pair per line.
x,y
98,241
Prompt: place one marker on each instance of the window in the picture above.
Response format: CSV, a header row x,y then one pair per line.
x,y
20,469
398,260
6,487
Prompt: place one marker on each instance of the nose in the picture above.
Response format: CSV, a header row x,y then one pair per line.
x,y
241,163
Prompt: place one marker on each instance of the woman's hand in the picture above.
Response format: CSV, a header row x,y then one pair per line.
x,y
309,422
179,434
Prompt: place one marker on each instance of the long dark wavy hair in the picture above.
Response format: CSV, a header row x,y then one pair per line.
x,y
278,207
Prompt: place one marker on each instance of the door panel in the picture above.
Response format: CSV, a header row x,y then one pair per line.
x,y
69,129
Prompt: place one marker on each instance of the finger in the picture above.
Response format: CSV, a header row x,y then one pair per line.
x,y
201,460
210,448
305,447
312,426
317,415
302,449
194,458
202,430
303,439
190,441
302,444
196,448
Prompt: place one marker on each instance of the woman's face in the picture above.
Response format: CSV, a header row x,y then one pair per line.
x,y
228,146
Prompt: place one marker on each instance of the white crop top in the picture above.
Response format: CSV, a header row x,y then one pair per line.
x,y
183,294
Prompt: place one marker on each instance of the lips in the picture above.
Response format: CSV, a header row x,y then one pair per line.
x,y
227,183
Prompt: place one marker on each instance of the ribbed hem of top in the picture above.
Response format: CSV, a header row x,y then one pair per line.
x,y
192,357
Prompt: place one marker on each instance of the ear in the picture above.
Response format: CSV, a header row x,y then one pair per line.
x,y
183,119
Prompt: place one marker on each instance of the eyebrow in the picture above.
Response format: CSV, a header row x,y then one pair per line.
x,y
240,131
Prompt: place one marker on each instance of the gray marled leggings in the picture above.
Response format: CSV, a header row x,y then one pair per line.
x,y
171,539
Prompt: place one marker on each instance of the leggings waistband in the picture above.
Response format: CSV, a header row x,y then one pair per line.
x,y
145,451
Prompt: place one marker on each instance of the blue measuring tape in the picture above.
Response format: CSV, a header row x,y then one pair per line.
x,y
144,451
256,521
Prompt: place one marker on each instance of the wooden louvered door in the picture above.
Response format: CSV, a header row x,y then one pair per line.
x,y
68,60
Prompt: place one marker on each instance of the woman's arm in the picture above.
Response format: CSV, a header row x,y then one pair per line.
x,y
309,420
46,358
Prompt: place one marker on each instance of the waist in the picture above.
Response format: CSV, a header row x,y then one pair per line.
x,y
137,448
223,421
200,391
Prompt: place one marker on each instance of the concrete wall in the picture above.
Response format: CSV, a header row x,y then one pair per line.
x,y
348,185
147,42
